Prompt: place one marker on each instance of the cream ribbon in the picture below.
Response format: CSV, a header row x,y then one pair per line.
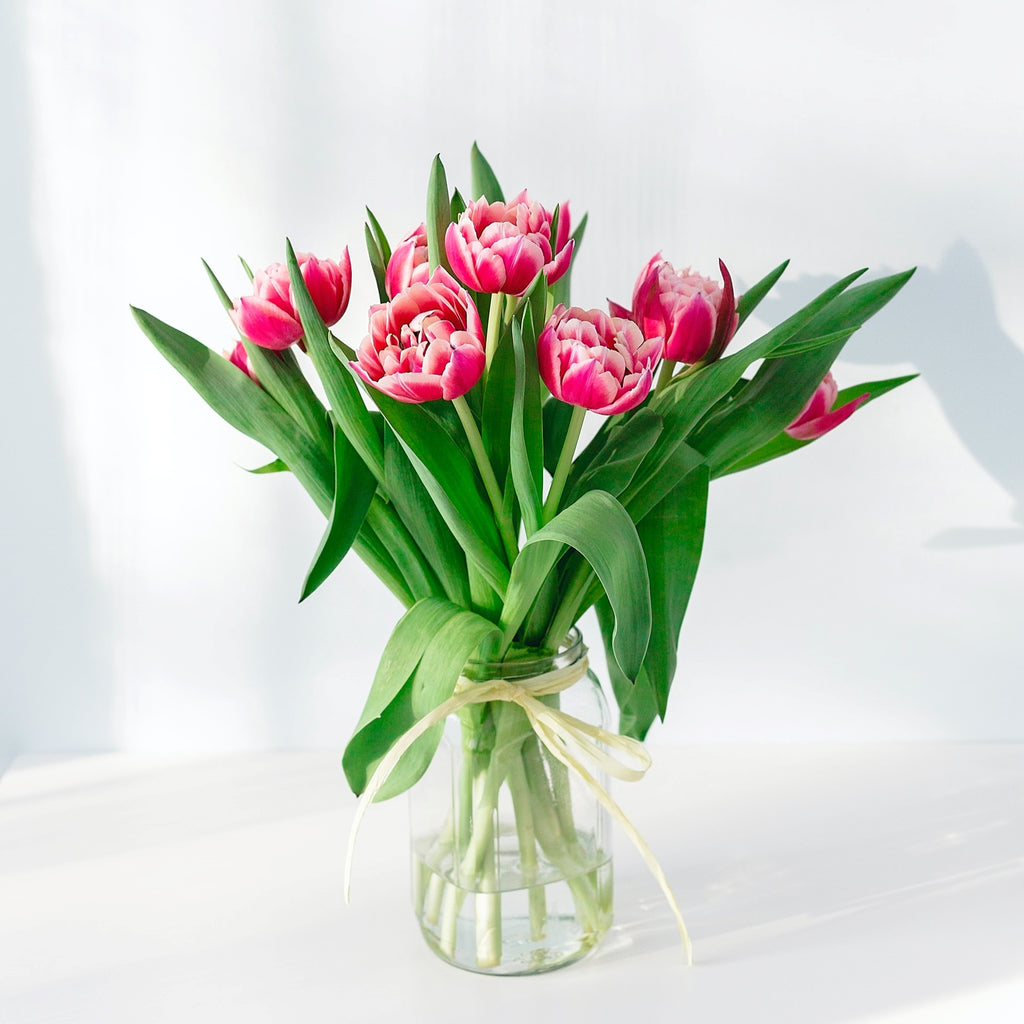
x,y
560,733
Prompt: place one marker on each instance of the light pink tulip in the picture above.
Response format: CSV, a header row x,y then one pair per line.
x,y
501,247
268,316
240,358
426,343
818,417
408,264
695,316
596,361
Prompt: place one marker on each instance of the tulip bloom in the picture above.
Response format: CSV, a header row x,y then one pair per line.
x,y
268,317
596,361
502,247
692,313
240,358
408,264
426,343
818,417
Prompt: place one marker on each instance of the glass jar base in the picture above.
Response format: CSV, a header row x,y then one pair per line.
x,y
518,931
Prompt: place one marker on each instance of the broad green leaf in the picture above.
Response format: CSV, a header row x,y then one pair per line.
x,y
783,444
225,299
496,409
346,402
799,345
458,205
244,405
751,298
419,577
485,183
354,487
439,215
672,535
378,236
600,529
280,374
418,670
277,466
424,522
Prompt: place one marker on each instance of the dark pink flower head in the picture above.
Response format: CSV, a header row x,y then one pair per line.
x,y
502,247
818,417
408,264
268,317
691,312
426,343
240,358
600,362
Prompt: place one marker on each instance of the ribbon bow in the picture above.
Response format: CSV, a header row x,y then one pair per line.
x,y
565,736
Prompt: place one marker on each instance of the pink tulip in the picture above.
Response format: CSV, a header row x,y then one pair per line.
x,y
268,316
818,417
692,313
408,264
426,343
596,361
501,247
240,358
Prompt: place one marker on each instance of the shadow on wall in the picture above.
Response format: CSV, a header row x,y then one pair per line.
x,y
56,689
951,333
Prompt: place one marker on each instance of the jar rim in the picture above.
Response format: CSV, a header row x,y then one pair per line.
x,y
569,652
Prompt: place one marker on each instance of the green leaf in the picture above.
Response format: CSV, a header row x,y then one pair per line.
x,y
419,577
243,404
418,671
526,446
560,290
280,374
800,345
485,183
600,529
346,402
458,205
277,466
451,481
620,458
751,298
638,706
783,444
354,487
498,395
439,215
557,415
413,504
246,268
225,299
672,535
377,263
378,236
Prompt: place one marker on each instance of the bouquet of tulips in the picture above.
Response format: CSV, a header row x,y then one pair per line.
x,y
446,456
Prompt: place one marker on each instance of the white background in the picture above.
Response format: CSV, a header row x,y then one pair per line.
x,y
871,587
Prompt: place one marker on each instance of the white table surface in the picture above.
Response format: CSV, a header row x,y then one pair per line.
x,y
821,884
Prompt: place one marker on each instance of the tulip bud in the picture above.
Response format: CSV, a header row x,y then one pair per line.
x,y
502,247
596,361
691,312
426,343
818,417
268,317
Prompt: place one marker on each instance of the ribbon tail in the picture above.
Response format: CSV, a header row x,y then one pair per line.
x,y
558,750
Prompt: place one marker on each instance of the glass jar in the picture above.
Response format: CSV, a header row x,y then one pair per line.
x,y
511,857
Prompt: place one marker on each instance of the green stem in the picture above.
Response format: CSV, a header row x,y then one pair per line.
x,y
519,789
572,436
483,463
493,327
667,368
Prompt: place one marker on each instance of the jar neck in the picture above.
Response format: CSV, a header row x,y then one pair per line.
x,y
526,663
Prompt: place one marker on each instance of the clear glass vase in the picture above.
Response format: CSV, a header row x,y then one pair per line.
x,y
511,859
